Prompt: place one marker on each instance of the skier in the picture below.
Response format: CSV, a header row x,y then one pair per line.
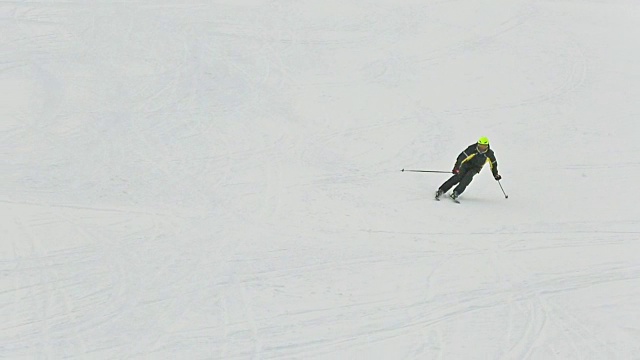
x,y
468,164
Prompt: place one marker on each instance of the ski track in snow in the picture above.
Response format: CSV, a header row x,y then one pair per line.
x,y
222,181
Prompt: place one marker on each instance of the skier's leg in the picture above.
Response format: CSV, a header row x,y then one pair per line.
x,y
464,181
449,183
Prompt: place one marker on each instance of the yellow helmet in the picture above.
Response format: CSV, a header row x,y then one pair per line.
x,y
483,141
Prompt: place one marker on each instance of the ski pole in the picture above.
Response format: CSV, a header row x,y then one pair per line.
x,y
505,194
427,171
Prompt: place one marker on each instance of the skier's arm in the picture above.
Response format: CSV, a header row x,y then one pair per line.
x,y
463,155
494,164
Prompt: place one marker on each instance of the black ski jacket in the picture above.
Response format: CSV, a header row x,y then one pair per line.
x,y
472,159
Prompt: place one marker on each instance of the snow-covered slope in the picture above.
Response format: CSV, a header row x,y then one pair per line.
x,y
221,180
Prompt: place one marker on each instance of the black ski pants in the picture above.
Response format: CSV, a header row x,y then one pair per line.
x,y
463,179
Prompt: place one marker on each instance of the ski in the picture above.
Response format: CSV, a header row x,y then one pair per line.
x,y
437,197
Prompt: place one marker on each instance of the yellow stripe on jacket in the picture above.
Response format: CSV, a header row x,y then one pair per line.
x,y
472,156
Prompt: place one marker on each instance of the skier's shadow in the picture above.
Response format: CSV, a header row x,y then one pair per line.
x,y
475,200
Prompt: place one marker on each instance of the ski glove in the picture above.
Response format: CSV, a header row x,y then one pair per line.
x,y
497,177
455,171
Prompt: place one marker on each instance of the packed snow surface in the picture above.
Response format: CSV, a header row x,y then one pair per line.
x,y
221,179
